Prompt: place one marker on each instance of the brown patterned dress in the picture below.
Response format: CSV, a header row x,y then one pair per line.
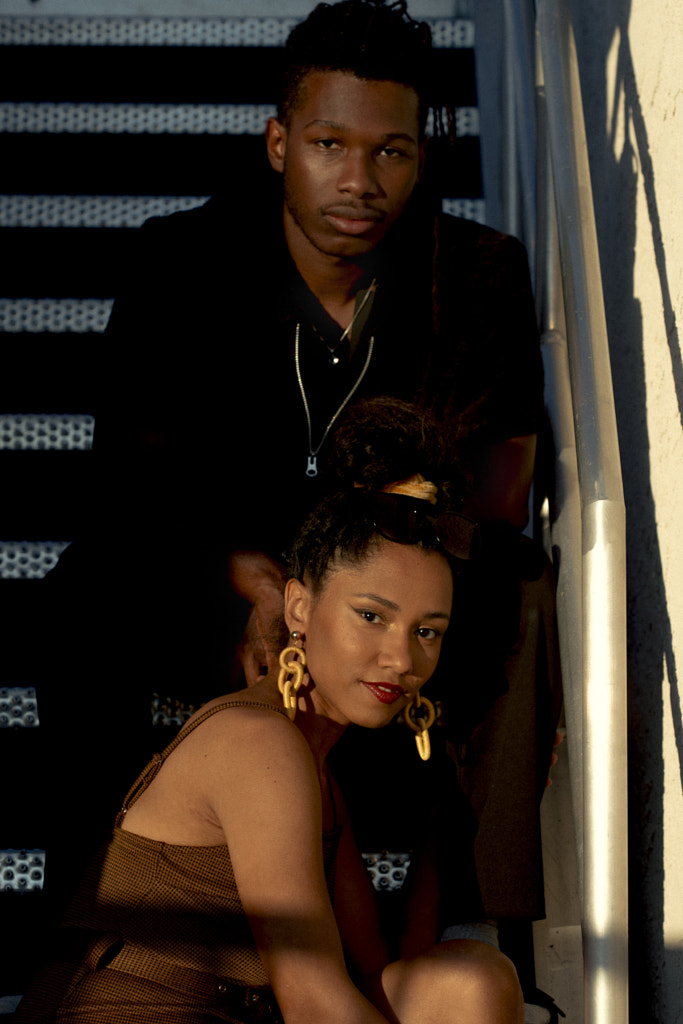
x,y
157,932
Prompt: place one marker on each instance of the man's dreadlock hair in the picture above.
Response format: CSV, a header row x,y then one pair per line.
x,y
371,39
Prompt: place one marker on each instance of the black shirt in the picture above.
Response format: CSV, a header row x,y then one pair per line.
x,y
204,415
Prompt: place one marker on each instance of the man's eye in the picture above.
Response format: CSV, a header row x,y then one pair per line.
x,y
327,143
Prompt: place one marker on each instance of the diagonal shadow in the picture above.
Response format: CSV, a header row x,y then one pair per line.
x,y
650,643
649,624
635,114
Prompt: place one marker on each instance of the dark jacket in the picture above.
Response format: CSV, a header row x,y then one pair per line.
x,y
204,415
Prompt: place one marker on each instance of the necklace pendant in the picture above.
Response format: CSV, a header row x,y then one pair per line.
x,y
312,465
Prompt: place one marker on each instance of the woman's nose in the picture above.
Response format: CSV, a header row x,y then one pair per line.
x,y
397,654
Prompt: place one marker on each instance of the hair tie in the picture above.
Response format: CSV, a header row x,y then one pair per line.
x,y
414,487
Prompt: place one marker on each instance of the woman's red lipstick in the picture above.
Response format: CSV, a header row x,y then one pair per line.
x,y
386,693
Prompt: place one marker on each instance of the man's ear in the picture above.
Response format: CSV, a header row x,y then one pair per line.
x,y
276,143
298,605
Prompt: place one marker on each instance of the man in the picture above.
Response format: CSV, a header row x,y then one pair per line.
x,y
262,287
244,329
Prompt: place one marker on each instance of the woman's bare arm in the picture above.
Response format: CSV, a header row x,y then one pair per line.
x,y
263,788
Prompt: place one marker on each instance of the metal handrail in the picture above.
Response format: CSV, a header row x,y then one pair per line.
x,y
564,519
604,889
587,528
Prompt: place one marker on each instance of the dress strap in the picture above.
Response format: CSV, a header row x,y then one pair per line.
x,y
223,706
149,772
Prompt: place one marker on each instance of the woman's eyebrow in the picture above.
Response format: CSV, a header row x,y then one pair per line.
x,y
392,606
384,601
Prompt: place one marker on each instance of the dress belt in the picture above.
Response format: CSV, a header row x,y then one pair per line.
x,y
110,951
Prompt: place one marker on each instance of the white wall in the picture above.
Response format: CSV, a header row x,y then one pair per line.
x,y
630,66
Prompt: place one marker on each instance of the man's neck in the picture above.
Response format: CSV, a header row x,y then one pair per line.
x,y
333,280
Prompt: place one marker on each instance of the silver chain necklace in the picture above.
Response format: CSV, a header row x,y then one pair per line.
x,y
312,462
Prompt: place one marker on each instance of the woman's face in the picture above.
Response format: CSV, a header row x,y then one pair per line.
x,y
374,632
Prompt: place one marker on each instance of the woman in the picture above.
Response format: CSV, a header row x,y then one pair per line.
x,y
214,898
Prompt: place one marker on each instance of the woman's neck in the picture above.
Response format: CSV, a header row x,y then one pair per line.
x,y
321,732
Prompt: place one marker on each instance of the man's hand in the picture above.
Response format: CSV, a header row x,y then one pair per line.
x,y
261,582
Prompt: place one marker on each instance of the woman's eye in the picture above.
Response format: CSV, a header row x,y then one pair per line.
x,y
427,633
368,616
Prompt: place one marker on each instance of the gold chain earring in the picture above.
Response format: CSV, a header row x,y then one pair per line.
x,y
292,665
420,725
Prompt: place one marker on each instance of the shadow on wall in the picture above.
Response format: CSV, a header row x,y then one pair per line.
x,y
603,30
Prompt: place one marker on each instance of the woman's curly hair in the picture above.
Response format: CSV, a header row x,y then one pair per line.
x,y
380,441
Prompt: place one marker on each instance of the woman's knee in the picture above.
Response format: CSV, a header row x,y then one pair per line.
x,y
462,982
485,979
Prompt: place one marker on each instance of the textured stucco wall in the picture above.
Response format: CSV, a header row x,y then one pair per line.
x,y
632,83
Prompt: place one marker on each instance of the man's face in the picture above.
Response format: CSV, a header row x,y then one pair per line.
x,y
351,156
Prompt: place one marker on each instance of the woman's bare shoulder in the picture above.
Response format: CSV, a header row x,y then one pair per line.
x,y
248,724
247,761
232,753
